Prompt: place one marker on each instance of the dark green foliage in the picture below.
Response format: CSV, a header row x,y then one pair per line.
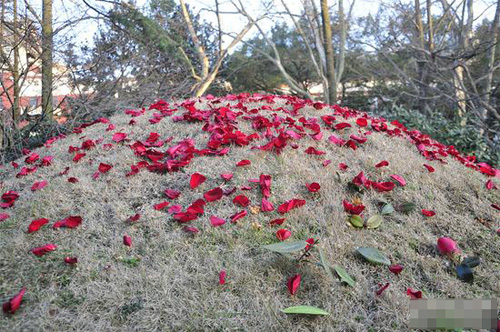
x,y
447,131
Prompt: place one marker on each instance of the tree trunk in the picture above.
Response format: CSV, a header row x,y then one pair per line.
x,y
47,42
16,108
491,58
458,83
343,35
421,61
327,41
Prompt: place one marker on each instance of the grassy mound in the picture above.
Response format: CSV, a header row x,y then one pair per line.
x,y
143,264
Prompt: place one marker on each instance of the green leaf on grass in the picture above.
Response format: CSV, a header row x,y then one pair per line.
x,y
472,261
286,247
305,310
342,273
325,264
407,207
374,221
356,221
387,209
373,255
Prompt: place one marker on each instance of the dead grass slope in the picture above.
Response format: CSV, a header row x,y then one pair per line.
x,y
174,286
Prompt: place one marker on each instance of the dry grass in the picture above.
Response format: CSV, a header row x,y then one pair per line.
x,y
175,287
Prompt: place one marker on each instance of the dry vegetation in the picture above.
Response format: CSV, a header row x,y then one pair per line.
x,y
174,286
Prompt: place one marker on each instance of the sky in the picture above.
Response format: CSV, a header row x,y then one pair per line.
x,y
230,22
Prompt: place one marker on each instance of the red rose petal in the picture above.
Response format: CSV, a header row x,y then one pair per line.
x,y
313,187
161,206
216,221
69,222
396,269
399,179
283,234
241,200
213,195
40,251
429,168
13,304
278,221
196,180
382,164
222,277
382,289
293,284
37,224
428,213
244,162
291,204
447,246
414,294
70,260
127,240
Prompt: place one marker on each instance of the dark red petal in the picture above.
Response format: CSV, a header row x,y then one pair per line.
x,y
161,206
382,289
396,269
196,180
278,221
213,195
222,277
190,229
429,168
13,304
399,179
490,185
118,137
243,162
127,240
103,168
293,284
216,221
283,234
428,213
291,204
237,216
313,187
37,224
414,294
241,200
382,164
227,176
40,251
70,260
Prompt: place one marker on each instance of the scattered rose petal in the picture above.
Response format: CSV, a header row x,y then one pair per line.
x,y
343,166
13,304
196,180
134,218
4,216
78,156
293,284
234,218
172,194
351,208
266,206
161,206
70,260
382,164
119,137
213,195
227,176
37,224
190,229
222,277
69,222
490,185
326,162
72,180
396,269
241,200
291,204
382,288
278,221
175,209
313,187
40,251
414,294
244,162
127,240
283,234
399,179
103,168
447,246
429,168
39,185
216,221
428,213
